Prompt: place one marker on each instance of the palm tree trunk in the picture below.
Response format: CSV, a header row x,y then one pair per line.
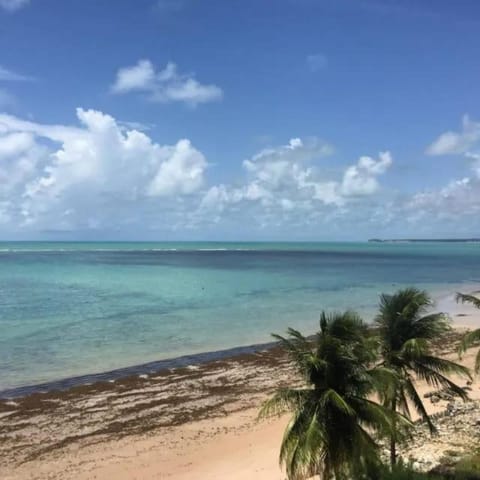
x,y
393,438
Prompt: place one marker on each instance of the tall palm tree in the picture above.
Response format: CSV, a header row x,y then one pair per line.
x,y
333,422
406,328
474,336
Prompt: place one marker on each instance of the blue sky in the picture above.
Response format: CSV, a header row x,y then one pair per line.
x,y
271,119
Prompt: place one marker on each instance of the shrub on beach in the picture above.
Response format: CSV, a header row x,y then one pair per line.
x,y
468,468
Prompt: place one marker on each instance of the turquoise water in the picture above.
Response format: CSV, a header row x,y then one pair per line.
x,y
70,309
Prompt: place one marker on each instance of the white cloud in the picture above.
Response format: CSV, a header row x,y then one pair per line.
x,y
317,62
361,179
15,143
12,5
7,75
287,184
457,142
182,172
19,158
276,172
138,77
98,172
104,175
164,86
460,198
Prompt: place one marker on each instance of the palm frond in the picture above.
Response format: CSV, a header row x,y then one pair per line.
x,y
419,406
414,348
431,326
436,379
302,449
299,349
403,402
404,316
380,418
467,298
331,398
444,366
468,340
384,382
284,400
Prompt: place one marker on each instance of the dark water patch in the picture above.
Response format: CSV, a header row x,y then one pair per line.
x,y
205,258
149,368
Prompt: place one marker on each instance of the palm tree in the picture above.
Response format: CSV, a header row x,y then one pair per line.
x,y
333,422
406,328
474,336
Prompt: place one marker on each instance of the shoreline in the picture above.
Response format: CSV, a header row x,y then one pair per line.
x,y
444,299
149,368
189,422
47,426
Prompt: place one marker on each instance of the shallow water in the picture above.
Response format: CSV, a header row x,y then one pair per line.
x,y
70,309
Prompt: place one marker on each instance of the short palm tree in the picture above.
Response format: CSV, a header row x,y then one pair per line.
x,y
406,328
334,420
474,336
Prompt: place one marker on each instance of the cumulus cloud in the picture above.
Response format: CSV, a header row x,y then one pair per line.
x,y
277,177
164,86
457,142
361,179
101,174
99,171
181,172
13,5
139,77
286,183
447,208
459,198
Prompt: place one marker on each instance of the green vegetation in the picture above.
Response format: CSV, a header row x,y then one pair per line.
x,y
401,472
468,468
406,327
336,423
472,337
333,420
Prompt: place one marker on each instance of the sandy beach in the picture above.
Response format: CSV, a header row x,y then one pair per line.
x,y
196,422
212,212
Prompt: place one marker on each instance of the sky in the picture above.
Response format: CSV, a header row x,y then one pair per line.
x,y
239,119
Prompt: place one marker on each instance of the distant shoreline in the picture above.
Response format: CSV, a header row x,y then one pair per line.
x,y
424,240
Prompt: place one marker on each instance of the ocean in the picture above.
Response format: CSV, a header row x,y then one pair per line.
x,y
71,309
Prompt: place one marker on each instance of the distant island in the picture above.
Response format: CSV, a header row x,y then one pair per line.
x,y
424,240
